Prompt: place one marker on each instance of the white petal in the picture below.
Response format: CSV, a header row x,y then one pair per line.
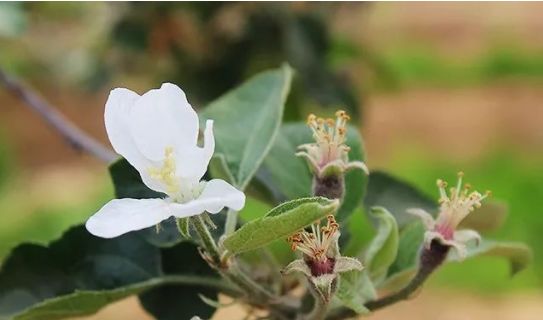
x,y
192,162
297,265
120,216
426,218
345,264
430,236
216,195
116,115
358,165
457,246
163,118
464,236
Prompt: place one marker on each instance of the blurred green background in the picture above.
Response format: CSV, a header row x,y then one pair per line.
x,y
436,88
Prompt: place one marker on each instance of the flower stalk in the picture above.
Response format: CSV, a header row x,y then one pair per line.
x,y
321,263
430,259
229,270
210,251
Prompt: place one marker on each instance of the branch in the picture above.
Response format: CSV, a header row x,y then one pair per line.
x,y
430,260
75,136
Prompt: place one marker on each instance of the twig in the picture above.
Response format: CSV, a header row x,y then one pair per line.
x,y
75,136
430,260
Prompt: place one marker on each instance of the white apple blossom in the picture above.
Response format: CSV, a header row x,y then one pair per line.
x,y
453,209
157,133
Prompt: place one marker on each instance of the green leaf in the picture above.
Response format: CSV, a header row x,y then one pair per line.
x,y
78,261
247,120
128,184
79,274
383,249
518,254
404,266
489,217
281,162
277,170
355,289
396,196
281,222
13,20
173,301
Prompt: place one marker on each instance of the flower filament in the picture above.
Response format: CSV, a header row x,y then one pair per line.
x,y
316,243
330,136
167,172
456,205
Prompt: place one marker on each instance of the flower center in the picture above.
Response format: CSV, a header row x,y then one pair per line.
x,y
166,172
318,268
316,243
458,203
330,136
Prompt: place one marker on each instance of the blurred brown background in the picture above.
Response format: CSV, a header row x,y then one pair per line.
x,y
438,87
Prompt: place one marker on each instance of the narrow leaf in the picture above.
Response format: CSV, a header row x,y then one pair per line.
x,y
281,222
383,248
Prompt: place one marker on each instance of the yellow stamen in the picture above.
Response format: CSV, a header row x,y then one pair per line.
x,y
167,172
315,243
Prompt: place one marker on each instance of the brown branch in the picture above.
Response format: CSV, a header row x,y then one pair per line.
x,y
77,138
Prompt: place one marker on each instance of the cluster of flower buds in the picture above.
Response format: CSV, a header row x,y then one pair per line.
x,y
328,156
321,261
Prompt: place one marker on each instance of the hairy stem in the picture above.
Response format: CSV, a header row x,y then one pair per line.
x,y
231,221
430,260
255,293
208,243
319,310
75,136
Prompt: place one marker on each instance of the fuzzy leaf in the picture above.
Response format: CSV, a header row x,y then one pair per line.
x,y
355,289
518,254
396,196
247,120
489,217
281,222
404,266
383,248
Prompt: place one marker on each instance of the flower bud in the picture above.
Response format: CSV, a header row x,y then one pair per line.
x,y
321,260
328,156
455,206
